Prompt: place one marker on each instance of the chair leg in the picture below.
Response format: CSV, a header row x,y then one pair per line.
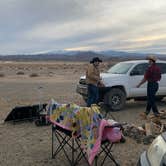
x,y
82,154
64,140
73,152
53,143
62,143
107,150
96,158
74,145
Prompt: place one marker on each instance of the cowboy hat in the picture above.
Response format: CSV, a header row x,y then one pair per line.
x,y
151,57
95,59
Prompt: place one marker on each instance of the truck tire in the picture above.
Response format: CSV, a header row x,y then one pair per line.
x,y
115,98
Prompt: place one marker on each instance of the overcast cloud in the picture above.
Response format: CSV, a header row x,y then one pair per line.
x,y
28,26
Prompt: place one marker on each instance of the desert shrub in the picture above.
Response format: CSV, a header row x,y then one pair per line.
x,y
27,68
20,73
21,68
34,75
2,75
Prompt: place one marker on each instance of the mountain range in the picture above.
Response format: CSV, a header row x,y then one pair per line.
x,y
77,55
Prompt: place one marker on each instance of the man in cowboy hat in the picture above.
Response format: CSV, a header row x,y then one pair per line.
x,y
93,80
152,76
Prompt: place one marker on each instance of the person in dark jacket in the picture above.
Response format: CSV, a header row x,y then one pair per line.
x,y
152,76
93,80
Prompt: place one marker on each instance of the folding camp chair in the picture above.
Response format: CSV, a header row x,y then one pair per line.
x,y
72,150
70,146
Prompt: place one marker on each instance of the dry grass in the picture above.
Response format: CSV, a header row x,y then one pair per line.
x,y
2,75
20,73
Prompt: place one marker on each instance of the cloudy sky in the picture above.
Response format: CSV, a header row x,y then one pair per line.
x,y
29,26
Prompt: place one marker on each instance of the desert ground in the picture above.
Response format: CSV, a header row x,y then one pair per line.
x,y
25,144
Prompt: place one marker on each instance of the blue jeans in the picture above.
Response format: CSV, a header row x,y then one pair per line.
x,y
93,95
152,88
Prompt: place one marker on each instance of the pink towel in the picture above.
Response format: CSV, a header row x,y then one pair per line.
x,y
111,134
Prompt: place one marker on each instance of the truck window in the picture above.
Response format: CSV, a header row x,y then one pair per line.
x,y
120,68
162,67
139,69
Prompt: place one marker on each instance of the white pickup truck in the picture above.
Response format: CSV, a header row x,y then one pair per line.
x,y
121,81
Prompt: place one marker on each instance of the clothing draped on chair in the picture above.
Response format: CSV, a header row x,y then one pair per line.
x,y
86,123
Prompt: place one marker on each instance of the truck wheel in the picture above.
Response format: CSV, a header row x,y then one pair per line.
x,y
115,98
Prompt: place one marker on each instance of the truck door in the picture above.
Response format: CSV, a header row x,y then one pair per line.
x,y
135,76
162,82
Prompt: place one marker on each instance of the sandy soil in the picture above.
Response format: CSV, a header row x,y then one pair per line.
x,y
24,144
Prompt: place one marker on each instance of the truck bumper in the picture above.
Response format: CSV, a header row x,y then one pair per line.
x,y
82,90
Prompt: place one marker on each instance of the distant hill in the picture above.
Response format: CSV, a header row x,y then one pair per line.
x,y
76,56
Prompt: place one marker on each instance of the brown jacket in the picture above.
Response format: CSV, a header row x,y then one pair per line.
x,y
92,75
